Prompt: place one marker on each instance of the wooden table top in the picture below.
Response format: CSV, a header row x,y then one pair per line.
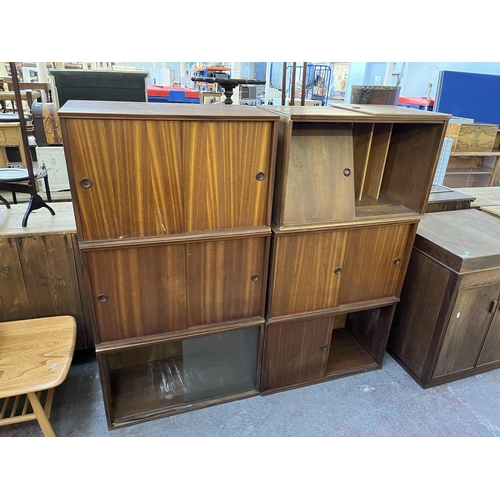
x,y
492,210
35,354
39,222
484,195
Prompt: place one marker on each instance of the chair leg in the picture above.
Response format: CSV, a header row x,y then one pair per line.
x,y
7,204
40,415
47,188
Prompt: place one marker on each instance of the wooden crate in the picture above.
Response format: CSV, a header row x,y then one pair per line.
x,y
472,138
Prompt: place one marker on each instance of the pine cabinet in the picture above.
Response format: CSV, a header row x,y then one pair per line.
x,y
352,184
173,212
447,325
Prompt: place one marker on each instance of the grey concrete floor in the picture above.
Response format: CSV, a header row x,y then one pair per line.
x,y
386,403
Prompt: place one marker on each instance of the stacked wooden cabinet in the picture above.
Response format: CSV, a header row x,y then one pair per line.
x,y
173,212
352,183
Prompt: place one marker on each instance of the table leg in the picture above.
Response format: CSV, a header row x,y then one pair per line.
x,y
40,415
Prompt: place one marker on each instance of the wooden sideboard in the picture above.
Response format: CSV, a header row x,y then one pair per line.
x,y
41,268
447,325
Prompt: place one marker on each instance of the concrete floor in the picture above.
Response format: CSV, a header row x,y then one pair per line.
x,y
386,402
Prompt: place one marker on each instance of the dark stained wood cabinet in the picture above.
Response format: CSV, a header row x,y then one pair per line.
x,y
447,325
352,183
173,211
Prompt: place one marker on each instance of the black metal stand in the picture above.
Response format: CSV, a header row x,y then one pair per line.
x,y
35,201
228,84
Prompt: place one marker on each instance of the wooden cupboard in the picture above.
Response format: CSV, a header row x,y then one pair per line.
x,y
173,212
352,183
447,325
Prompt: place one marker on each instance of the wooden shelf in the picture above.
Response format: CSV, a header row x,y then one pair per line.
x,y
346,354
477,153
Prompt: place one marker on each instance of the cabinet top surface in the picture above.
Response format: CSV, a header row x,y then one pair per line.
x,y
40,222
464,240
357,112
162,111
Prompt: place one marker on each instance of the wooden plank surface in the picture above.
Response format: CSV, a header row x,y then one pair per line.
x,y
40,222
14,303
484,196
160,111
51,279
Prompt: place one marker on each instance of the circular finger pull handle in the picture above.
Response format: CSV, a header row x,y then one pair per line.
x,y
347,172
338,270
255,277
85,183
102,298
260,176
397,261
324,347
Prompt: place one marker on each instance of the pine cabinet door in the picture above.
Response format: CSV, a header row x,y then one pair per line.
x,y
375,257
227,174
138,291
296,352
226,280
466,330
127,176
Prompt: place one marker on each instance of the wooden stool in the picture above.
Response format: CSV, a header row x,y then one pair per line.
x,y
35,356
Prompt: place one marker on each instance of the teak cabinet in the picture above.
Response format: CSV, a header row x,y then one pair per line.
x,y
173,212
352,183
231,250
447,325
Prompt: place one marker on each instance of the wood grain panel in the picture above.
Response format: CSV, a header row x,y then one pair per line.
x,y
221,161
14,303
466,330
411,161
370,271
145,289
417,318
51,279
362,139
294,354
134,167
316,188
304,277
220,285
376,159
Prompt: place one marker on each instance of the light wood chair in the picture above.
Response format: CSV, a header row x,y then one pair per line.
x,y
35,356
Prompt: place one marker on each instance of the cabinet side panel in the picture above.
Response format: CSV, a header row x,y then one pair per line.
x,y
415,323
136,165
223,162
320,177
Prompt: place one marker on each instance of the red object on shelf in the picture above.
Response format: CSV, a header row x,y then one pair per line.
x,y
163,91
416,101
